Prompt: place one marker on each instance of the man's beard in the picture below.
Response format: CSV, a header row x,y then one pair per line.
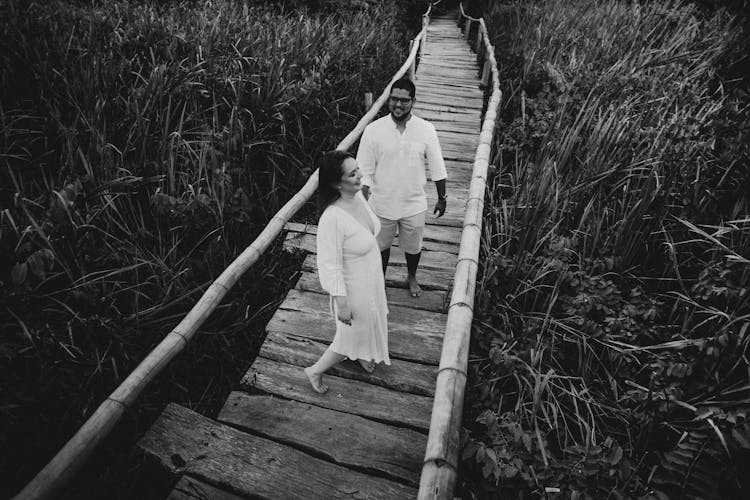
x,y
401,118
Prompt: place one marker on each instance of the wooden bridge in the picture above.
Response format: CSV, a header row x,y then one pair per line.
x,y
367,437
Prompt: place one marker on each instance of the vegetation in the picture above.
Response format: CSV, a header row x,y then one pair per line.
x,y
610,345
144,145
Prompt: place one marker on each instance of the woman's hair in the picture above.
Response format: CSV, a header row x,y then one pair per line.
x,y
330,170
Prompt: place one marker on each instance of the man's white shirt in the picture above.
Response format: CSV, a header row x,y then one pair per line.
x,y
393,165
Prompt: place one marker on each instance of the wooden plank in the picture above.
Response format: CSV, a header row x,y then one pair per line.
x,y
348,396
442,106
431,300
437,246
189,488
430,259
450,219
452,92
471,106
348,440
468,141
451,83
185,442
403,376
395,276
443,234
403,344
451,154
463,124
413,334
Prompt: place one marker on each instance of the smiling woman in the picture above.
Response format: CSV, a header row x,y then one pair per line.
x,y
349,266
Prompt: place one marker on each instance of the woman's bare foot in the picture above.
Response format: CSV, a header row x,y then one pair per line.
x,y
414,288
367,366
316,381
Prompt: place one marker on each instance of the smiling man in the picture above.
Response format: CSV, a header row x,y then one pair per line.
x,y
392,155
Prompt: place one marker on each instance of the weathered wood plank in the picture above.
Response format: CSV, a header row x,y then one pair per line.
x,y
443,234
431,300
185,442
413,334
467,104
348,440
348,396
441,105
403,376
453,92
189,488
395,276
430,259
291,244
319,326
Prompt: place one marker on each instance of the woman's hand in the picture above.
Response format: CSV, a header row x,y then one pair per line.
x,y
342,309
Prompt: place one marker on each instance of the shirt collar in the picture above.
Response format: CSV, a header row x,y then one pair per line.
x,y
406,123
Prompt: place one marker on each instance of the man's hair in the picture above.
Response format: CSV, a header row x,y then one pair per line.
x,y
405,84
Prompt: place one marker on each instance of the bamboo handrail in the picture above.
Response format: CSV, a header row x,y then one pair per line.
x,y
441,456
71,457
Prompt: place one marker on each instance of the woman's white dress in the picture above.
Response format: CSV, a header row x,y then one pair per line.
x,y
349,264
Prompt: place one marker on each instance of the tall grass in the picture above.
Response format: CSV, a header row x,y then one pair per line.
x,y
143,145
610,338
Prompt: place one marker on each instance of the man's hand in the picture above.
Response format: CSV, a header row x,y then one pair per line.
x,y
366,192
440,207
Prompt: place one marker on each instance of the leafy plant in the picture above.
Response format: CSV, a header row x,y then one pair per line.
x,y
614,282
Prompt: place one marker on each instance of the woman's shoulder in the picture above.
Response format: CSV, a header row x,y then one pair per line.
x,y
330,214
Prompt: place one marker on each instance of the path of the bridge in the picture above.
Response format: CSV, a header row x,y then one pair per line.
x,y
366,437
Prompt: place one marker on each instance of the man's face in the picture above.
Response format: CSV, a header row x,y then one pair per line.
x,y
400,104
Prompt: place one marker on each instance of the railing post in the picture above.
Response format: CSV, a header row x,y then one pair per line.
x,y
485,74
368,101
468,29
458,18
412,65
478,43
423,41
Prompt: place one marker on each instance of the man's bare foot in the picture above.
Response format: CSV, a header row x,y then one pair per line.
x,y
414,289
316,380
367,366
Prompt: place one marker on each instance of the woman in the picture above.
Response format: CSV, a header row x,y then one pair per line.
x,y
350,269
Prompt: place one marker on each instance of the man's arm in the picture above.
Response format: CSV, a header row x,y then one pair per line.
x,y
366,160
438,173
442,202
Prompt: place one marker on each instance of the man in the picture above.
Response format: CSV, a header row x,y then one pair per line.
x,y
391,156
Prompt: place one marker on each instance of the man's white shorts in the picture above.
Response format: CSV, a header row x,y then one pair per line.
x,y
410,231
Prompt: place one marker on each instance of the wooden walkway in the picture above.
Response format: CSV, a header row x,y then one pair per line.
x,y
366,437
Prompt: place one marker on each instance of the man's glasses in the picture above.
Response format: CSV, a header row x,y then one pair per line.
x,y
402,100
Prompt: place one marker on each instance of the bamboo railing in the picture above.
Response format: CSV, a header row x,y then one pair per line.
x,y
441,456
63,466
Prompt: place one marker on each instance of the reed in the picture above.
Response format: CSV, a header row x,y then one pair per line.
x,y
144,145
614,288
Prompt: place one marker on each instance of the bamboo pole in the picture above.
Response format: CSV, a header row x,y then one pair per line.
x,y
412,65
425,26
51,479
441,456
368,101
486,71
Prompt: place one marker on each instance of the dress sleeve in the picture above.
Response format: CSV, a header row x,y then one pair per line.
x,y
435,160
330,260
366,156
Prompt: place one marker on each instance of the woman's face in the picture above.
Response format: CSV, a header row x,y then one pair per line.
x,y
351,178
